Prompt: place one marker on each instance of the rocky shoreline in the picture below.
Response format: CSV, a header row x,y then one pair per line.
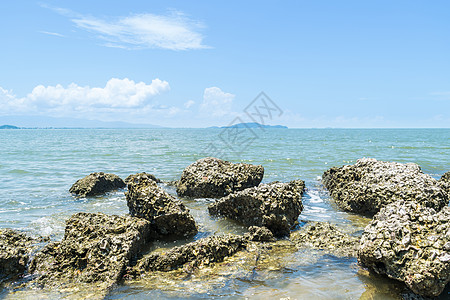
x,y
408,238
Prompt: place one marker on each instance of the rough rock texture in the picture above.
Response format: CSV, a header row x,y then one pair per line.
x,y
445,182
96,184
368,185
274,205
411,243
213,177
143,174
201,252
15,250
96,248
259,234
327,237
168,216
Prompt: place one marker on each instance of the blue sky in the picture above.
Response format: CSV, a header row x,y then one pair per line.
x,y
200,63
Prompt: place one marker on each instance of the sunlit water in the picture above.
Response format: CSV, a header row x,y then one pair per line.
x,y
37,168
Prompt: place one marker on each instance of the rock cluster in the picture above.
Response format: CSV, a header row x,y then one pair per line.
x,y
368,185
411,243
274,205
168,216
201,252
327,237
96,184
96,248
214,178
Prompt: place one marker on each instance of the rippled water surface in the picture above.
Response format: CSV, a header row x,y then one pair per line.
x,y
37,168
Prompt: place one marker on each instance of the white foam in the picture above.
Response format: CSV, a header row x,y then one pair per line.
x,y
314,196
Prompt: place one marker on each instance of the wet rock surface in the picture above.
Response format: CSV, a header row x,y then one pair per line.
x,y
15,250
368,185
141,175
213,178
201,252
168,216
411,243
259,234
327,237
96,248
96,184
274,205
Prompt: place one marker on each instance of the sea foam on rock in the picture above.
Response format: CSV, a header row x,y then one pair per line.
x,y
96,248
213,177
168,216
274,205
368,185
96,184
411,243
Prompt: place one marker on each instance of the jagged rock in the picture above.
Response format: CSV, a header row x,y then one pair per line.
x,y
201,252
168,216
274,205
411,243
327,237
259,234
445,182
213,177
15,250
96,184
368,185
96,248
143,174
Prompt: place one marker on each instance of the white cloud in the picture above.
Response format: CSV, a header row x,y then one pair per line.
x,y
216,102
52,33
174,31
189,104
117,95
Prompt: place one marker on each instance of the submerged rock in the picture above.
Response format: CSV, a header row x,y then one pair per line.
x,y
201,252
411,243
96,248
274,205
368,185
325,236
96,184
143,174
15,250
213,177
168,216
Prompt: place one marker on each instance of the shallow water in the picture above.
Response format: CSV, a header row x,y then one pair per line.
x,y
37,167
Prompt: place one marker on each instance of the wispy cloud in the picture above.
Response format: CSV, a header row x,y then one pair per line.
x,y
52,33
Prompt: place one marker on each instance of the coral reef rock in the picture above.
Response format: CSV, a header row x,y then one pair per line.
x,y
96,184
368,185
274,205
214,178
168,216
96,248
327,237
411,243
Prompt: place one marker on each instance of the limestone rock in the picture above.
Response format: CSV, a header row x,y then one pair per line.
x,y
96,184
213,177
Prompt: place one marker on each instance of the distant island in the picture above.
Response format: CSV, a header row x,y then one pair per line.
x,y
9,127
252,125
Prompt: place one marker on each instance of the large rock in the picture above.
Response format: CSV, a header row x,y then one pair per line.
x,y
368,185
274,205
411,243
96,184
168,216
15,250
327,237
201,252
96,248
213,177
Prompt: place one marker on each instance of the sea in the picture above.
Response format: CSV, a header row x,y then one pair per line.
x,y
38,166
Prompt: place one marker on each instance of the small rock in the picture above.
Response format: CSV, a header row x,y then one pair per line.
x,y
259,234
143,174
213,177
96,184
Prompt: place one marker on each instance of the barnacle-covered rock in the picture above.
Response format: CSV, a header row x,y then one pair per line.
x,y
259,234
275,206
96,184
143,174
445,182
168,216
96,248
368,185
327,237
411,243
213,177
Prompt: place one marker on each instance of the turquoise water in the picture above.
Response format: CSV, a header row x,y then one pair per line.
x,y
37,168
